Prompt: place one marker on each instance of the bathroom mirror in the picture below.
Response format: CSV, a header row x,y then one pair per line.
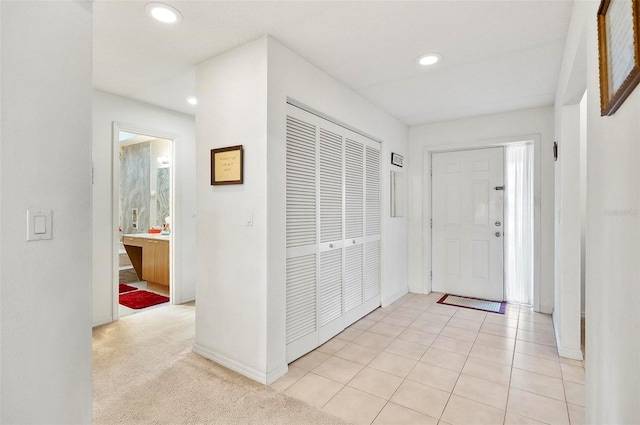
x,y
162,194
145,183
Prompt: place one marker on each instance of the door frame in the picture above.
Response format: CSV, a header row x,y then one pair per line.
x,y
427,201
117,127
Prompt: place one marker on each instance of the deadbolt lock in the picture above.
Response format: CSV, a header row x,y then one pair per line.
x,y
497,234
498,223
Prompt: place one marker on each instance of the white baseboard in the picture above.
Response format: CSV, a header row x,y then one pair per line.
x,y
276,374
236,366
417,289
393,298
570,354
187,300
546,309
102,321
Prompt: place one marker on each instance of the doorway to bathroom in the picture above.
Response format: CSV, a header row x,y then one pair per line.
x,y
143,196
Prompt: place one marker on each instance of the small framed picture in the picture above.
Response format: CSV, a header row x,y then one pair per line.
x,y
397,159
227,165
618,51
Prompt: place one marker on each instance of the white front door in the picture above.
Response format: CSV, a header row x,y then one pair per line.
x,y
467,214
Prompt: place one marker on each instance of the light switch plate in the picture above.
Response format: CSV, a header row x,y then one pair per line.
x,y
38,225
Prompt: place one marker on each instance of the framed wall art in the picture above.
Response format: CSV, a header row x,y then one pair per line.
x,y
397,159
618,51
227,165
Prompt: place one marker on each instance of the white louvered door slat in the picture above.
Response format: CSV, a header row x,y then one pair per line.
x,y
301,296
354,223
353,291
373,191
330,186
301,183
330,286
331,230
371,280
301,238
371,270
354,188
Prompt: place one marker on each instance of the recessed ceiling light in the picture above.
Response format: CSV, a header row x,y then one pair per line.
x,y
163,12
429,59
192,100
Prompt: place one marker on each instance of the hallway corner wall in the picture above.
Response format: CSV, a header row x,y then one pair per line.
x,y
231,318
570,187
242,95
45,322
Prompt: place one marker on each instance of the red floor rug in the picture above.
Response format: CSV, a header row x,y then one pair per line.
x,y
474,303
126,288
141,299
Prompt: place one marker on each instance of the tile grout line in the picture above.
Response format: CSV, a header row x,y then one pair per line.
x,y
364,366
404,378
513,360
460,373
417,362
437,335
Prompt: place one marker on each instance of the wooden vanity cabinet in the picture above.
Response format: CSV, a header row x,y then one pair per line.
x,y
155,261
150,259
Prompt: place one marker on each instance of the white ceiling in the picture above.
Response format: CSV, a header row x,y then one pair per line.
x,y
498,55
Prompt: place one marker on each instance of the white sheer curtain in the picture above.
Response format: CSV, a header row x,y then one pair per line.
x,y
519,224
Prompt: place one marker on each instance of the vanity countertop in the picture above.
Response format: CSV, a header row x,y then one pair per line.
x,y
158,236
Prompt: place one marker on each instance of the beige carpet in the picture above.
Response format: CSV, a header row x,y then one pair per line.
x,y
144,372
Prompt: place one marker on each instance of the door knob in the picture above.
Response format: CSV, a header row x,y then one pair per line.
x,y
498,223
497,234
354,241
330,245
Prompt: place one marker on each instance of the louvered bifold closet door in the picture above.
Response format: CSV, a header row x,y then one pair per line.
x,y
372,249
354,224
331,230
301,236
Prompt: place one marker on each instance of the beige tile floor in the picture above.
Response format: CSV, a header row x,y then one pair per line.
x,y
418,362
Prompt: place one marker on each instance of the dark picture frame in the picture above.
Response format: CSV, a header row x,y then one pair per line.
x,y
619,72
397,159
227,165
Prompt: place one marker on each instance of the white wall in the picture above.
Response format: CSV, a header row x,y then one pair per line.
x,y
613,252
231,318
240,317
569,188
46,164
567,301
107,109
478,132
1,222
